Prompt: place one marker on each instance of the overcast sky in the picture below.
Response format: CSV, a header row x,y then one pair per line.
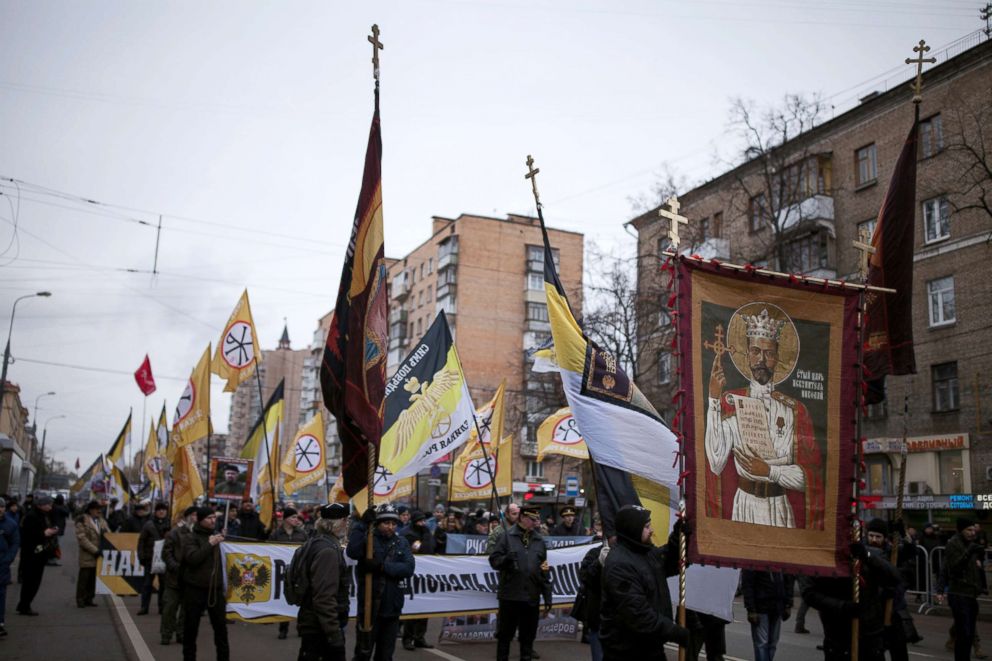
x,y
244,125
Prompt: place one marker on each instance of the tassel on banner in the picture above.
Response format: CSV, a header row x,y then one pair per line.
x,y
682,476
671,300
675,343
717,263
750,268
793,279
678,394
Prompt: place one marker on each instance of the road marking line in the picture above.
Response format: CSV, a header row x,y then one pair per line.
x,y
929,656
137,641
443,655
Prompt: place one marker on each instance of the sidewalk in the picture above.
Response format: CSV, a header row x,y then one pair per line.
x,y
61,632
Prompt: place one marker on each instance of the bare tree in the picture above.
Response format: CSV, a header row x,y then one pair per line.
x,y
969,145
781,173
668,182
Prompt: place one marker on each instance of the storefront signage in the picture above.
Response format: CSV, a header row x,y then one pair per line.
x,y
937,443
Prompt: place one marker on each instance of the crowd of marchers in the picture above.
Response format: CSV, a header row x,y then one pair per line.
x,y
624,602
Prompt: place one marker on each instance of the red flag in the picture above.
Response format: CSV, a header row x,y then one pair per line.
x,y
143,377
889,328
353,372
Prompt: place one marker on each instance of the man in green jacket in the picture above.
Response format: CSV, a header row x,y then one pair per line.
x,y
963,560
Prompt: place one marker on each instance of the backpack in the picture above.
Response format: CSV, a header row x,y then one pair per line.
x,y
297,586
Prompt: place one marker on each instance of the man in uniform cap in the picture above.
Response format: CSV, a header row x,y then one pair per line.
x,y
324,613
391,564
567,527
521,558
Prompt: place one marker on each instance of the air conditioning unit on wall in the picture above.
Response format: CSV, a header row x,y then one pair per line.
x,y
988,472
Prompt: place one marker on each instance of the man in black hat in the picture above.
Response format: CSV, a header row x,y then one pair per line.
x,y
172,554
963,561
203,585
421,541
391,564
567,527
636,614
521,558
39,542
324,612
153,530
233,484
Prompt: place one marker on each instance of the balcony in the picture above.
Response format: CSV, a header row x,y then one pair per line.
x,y
528,450
536,326
446,260
446,289
400,288
397,342
816,208
397,315
536,296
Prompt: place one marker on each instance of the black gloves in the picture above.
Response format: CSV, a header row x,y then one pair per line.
x,y
368,518
859,551
680,636
372,566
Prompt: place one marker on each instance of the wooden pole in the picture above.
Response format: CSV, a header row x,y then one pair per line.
x,y
856,487
896,538
367,619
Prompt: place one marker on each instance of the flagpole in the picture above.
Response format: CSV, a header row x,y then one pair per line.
x,y
856,486
683,542
265,437
561,474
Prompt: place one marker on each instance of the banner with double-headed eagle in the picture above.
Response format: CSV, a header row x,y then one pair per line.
x,y
429,410
237,354
769,386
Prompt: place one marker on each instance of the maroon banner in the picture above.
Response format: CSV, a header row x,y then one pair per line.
x,y
353,372
770,381
889,317
143,377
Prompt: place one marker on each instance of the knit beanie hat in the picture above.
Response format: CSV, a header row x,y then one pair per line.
x,y
630,522
288,512
964,522
880,526
202,513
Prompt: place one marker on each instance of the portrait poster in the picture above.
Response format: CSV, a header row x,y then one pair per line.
x,y
770,381
230,479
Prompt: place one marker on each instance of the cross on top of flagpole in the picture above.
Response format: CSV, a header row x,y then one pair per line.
x,y
532,175
863,244
919,61
675,218
376,47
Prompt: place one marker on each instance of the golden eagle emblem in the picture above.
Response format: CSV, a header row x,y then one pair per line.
x,y
248,576
425,404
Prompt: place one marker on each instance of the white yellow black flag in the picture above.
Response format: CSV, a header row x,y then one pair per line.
x,y
237,353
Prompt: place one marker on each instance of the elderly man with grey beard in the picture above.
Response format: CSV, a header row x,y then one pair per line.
x,y
324,612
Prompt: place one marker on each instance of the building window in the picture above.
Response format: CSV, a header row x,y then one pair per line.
x,y
941,295
535,281
664,243
704,229
806,253
430,265
716,226
430,293
951,468
535,258
664,368
931,136
420,327
945,387
413,276
537,312
865,165
535,469
866,225
936,219
411,335
757,213
420,298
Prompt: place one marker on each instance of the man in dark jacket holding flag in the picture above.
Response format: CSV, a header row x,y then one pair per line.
x,y
521,557
636,616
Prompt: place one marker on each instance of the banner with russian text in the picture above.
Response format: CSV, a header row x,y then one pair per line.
x,y
118,570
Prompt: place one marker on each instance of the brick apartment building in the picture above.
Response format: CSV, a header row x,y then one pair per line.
x,y
837,174
487,276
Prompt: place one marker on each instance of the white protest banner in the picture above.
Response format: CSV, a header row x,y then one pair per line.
x,y
448,585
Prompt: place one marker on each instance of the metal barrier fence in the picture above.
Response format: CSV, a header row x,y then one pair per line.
x,y
929,583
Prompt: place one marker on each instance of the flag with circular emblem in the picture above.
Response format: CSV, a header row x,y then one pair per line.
x,y
303,463
192,418
559,434
237,353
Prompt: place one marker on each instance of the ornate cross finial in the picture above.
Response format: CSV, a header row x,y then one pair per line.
x,y
717,345
532,175
922,49
674,218
863,244
376,47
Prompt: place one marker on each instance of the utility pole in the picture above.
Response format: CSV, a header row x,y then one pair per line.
x,y
986,15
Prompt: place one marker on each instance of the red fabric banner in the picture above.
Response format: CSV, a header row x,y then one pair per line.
x,y
143,377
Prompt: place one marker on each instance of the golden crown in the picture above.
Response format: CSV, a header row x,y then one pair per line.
x,y
762,326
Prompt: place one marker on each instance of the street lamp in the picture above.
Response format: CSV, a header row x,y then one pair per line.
x,y
6,351
44,435
34,420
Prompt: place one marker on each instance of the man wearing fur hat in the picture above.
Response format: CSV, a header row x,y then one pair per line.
x,y
636,614
521,558
777,474
324,612
391,564
963,561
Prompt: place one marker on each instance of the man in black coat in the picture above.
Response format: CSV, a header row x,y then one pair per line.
x,y
568,526
153,530
203,585
833,598
521,557
172,555
290,531
391,565
421,541
768,601
39,542
636,616
252,526
324,612
136,522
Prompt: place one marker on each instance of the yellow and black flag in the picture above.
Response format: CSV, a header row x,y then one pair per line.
x,y
262,448
192,420
429,410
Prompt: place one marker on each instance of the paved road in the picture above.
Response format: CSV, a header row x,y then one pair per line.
x,y
114,632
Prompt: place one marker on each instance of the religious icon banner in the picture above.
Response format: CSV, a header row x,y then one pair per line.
x,y
769,380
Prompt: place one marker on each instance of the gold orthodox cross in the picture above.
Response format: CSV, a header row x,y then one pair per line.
x,y
919,61
532,175
863,244
376,47
717,345
674,218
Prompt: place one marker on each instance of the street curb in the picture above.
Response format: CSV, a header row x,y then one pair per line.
x,y
118,624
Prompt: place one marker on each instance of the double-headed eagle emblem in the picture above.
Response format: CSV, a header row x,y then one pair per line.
x,y
425,404
247,576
